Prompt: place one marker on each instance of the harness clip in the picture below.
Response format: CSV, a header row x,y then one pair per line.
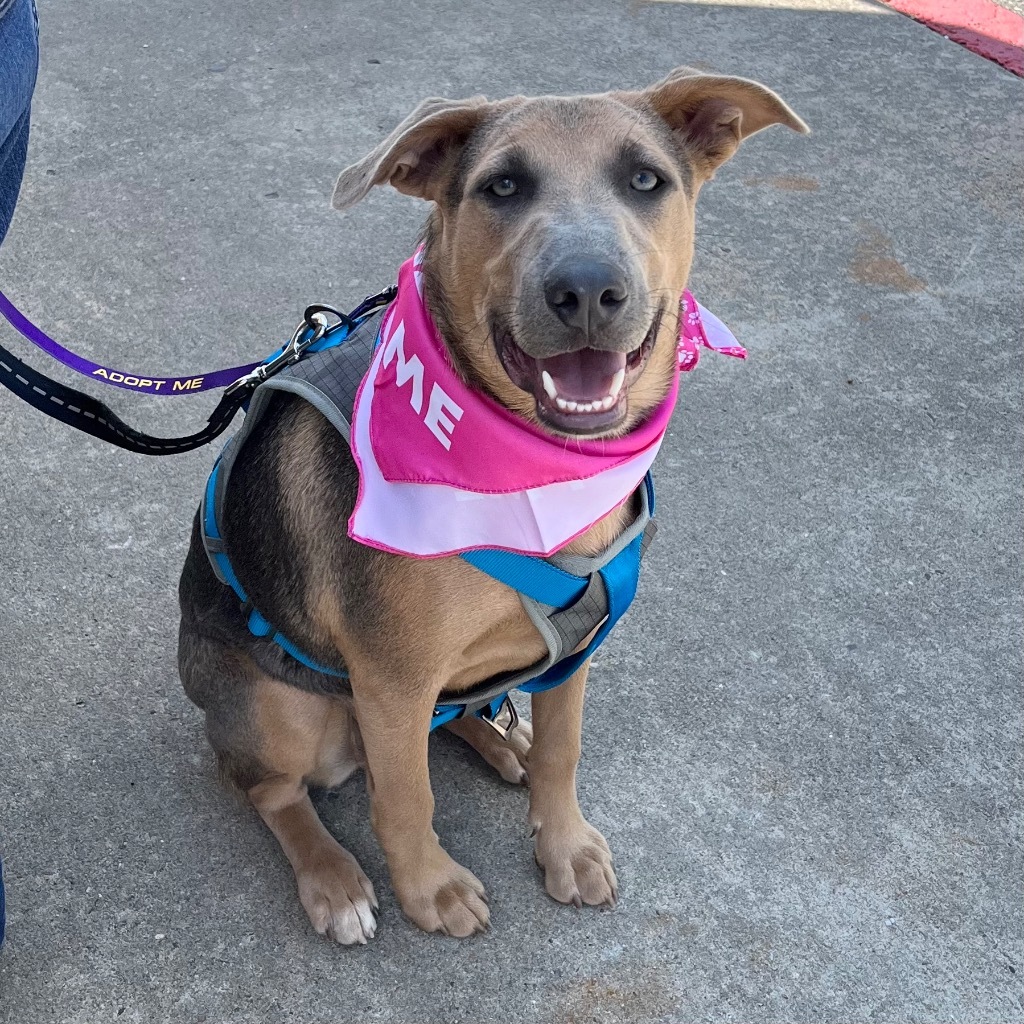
x,y
310,330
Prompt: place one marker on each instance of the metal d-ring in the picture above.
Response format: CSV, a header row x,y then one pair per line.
x,y
504,720
315,311
314,321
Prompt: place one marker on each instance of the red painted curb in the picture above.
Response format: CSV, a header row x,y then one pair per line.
x,y
980,25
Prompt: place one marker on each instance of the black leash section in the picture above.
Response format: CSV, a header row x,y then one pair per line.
x,y
91,416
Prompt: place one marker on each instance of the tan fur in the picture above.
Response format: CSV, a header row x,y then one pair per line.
x,y
305,736
450,626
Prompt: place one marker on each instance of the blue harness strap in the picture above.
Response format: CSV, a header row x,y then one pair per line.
x,y
620,577
530,575
548,584
211,527
257,624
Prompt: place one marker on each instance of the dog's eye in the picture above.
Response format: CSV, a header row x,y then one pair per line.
x,y
503,187
645,181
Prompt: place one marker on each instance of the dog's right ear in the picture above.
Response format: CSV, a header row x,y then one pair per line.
x,y
417,156
712,114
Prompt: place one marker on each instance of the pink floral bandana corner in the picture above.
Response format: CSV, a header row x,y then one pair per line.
x,y
444,468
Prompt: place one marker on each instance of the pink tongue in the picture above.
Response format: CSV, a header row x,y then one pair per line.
x,y
584,375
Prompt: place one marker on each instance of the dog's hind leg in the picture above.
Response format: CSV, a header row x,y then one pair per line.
x,y
310,739
508,757
272,742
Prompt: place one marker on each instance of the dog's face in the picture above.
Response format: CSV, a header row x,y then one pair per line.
x,y
564,227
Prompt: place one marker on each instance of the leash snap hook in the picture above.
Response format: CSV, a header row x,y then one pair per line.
x,y
311,329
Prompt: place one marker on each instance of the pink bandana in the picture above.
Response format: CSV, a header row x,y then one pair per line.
x,y
444,468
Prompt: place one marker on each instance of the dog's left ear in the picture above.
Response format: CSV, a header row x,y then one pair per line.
x,y
415,157
713,114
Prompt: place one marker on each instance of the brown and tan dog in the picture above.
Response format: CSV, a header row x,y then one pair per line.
x,y
559,225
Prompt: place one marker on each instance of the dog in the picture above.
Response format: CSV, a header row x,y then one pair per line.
x,y
559,242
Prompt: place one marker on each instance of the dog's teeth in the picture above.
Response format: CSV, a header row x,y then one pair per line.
x,y
549,384
568,405
617,382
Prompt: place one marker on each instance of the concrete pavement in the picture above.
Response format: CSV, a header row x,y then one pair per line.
x,y
803,745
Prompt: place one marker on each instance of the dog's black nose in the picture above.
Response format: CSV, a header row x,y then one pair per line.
x,y
588,294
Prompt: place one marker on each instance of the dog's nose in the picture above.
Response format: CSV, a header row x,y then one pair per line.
x,y
587,293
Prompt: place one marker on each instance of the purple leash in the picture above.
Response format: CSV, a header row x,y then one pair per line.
x,y
150,384
88,414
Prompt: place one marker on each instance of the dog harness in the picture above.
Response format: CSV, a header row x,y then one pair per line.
x,y
567,597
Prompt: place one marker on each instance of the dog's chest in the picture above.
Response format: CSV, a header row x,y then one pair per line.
x,y
471,628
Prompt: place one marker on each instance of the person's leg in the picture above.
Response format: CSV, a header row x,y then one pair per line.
x,y
12,166
19,59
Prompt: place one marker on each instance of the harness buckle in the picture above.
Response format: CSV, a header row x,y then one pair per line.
x,y
504,720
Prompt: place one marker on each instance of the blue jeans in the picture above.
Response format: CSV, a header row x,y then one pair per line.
x,y
19,59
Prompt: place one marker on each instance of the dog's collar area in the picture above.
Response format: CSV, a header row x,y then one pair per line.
x,y
573,601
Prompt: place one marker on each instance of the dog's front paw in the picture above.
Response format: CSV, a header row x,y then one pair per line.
x,y
338,897
577,864
441,895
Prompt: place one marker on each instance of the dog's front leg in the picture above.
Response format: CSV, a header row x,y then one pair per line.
x,y
436,892
574,856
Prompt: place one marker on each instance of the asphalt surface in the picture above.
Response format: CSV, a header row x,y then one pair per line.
x,y
804,743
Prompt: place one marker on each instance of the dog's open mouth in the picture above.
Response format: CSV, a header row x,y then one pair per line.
x,y
579,392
